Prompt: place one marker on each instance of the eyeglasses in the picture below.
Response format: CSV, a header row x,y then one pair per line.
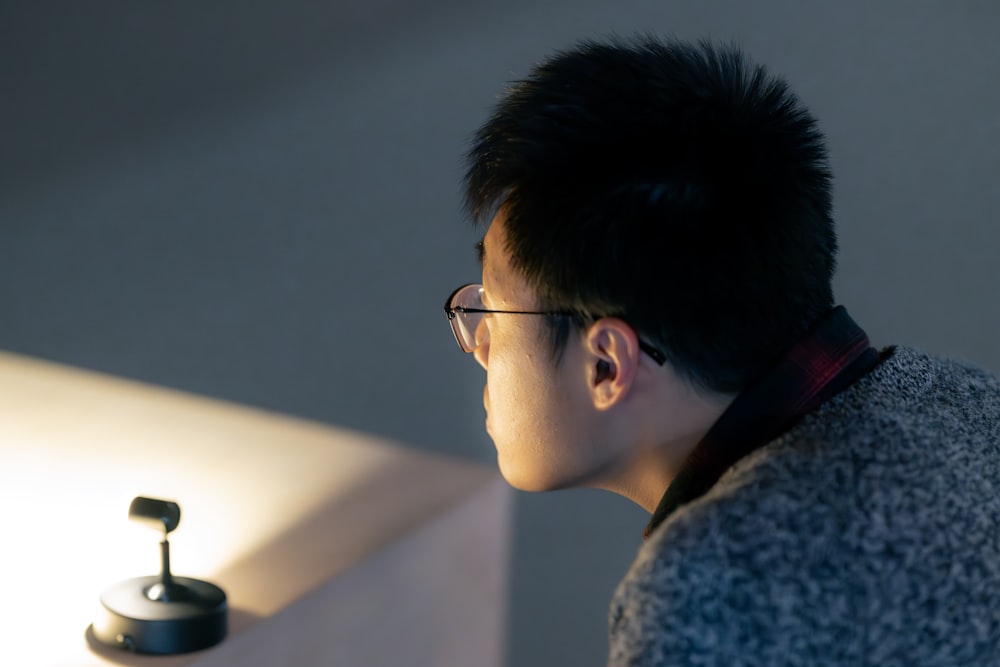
x,y
465,311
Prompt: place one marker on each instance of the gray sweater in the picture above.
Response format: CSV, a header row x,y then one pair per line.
x,y
868,534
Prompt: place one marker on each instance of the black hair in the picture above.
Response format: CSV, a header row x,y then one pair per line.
x,y
674,185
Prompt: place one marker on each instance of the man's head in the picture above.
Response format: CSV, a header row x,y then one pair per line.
x,y
649,191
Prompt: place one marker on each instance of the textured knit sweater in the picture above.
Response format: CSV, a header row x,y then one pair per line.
x,y
867,534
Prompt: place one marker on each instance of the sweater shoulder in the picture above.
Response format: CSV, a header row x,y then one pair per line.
x,y
845,538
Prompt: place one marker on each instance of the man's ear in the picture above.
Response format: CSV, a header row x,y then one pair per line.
x,y
612,349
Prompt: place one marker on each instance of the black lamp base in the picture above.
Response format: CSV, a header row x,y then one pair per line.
x,y
193,618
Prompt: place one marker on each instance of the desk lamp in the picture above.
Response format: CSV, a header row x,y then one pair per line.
x,y
161,614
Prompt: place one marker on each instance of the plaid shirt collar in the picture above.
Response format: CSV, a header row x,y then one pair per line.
x,y
828,359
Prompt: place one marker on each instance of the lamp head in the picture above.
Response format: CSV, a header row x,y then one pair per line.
x,y
158,514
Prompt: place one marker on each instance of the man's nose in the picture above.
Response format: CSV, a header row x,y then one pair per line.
x,y
482,353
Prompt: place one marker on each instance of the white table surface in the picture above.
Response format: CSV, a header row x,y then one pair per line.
x,y
300,523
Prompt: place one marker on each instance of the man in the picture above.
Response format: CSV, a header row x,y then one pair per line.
x,y
656,319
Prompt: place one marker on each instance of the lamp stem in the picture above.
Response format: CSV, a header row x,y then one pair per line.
x,y
165,577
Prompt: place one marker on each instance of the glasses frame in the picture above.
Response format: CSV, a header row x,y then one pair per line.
x,y
452,314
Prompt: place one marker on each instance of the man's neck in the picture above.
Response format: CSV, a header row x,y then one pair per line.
x,y
661,449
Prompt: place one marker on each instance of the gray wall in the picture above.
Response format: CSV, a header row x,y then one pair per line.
x,y
258,201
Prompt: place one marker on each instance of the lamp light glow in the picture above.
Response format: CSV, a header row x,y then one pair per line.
x,y
76,447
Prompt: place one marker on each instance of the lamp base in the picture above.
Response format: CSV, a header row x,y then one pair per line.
x,y
193,618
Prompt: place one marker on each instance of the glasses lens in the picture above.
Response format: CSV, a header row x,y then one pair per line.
x,y
470,327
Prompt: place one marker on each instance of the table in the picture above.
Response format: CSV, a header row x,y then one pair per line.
x,y
334,547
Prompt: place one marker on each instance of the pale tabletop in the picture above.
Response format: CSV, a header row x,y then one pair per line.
x,y
272,506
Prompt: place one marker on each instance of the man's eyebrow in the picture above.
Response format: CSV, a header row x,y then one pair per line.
x,y
481,251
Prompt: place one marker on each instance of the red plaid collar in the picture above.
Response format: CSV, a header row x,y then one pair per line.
x,y
834,354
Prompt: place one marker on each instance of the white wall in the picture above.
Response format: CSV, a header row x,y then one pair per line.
x,y
259,201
